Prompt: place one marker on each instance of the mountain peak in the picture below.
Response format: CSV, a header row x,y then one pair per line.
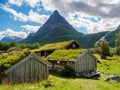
x,y
10,39
55,29
54,20
56,12
118,28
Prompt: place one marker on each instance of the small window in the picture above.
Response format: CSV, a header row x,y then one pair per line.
x,y
73,45
58,62
45,53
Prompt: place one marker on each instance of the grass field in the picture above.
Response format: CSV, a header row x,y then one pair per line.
x,y
65,84
111,65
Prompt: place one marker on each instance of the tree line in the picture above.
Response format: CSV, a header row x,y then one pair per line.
x,y
4,46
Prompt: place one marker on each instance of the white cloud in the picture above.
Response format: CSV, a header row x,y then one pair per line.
x,y
16,2
33,16
32,3
9,32
36,17
107,10
110,1
30,28
49,5
92,27
17,15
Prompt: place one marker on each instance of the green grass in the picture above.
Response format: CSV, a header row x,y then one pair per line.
x,y
6,61
64,84
65,54
111,65
54,46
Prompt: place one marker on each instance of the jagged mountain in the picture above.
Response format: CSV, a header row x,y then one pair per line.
x,y
111,36
12,38
56,28
118,28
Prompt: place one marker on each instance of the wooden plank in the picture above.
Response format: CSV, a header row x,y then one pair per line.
x,y
33,68
22,72
17,73
17,64
36,71
40,68
25,59
41,71
28,69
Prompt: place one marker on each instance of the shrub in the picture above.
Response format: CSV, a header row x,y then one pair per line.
x,y
67,72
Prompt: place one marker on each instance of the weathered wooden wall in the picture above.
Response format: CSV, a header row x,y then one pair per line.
x,y
30,70
85,62
61,63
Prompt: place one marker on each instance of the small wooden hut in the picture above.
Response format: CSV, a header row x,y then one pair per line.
x,y
86,64
30,69
49,48
81,60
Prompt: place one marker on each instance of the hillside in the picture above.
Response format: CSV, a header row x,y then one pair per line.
x,y
88,40
28,38
111,36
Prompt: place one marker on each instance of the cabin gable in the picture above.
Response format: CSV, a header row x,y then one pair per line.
x,y
73,45
29,69
85,63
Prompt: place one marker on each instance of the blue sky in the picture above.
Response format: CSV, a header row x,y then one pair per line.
x,y
21,17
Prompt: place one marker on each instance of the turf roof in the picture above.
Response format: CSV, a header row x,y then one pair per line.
x,y
65,54
9,60
56,46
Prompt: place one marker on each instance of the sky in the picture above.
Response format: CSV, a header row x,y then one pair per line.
x,y
21,17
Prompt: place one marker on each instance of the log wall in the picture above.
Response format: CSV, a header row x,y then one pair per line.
x,y
29,71
86,62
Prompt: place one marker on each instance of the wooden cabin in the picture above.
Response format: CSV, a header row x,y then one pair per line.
x,y
49,48
30,69
81,60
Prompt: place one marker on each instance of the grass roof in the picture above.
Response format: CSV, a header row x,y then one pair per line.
x,y
56,46
65,54
6,61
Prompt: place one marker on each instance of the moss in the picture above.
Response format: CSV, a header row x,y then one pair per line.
x,y
56,46
9,60
65,54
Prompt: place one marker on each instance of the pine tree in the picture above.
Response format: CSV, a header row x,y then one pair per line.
x,y
105,49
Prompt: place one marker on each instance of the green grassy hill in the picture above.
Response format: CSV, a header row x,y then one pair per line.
x,y
111,65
